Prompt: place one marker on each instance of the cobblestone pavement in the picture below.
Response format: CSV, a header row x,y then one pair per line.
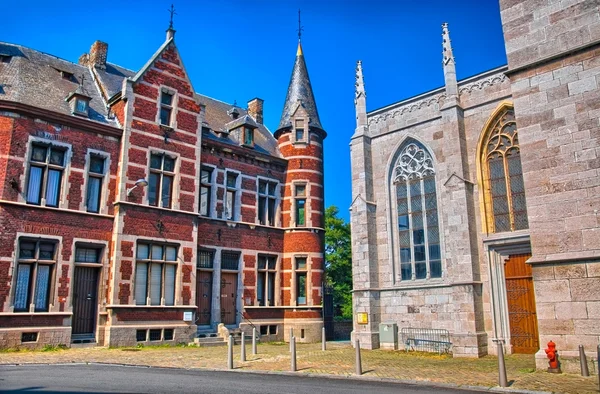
x,y
337,360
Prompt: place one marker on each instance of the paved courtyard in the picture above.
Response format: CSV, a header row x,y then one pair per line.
x,y
337,360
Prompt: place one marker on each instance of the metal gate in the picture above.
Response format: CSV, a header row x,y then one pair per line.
x,y
521,305
85,300
328,312
228,297
203,297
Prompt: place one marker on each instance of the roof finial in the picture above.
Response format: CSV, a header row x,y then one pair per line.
x,y
170,30
300,27
172,12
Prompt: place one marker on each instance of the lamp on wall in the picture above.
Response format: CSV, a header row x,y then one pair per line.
x,y
140,182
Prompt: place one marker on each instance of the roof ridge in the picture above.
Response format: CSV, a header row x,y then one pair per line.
x,y
221,101
42,52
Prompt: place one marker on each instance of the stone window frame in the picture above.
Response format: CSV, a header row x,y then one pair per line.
x,y
176,178
237,197
211,185
300,121
66,172
294,204
484,183
265,272
163,262
173,107
306,272
393,225
53,305
268,197
104,190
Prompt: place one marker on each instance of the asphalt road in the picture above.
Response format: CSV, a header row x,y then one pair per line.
x,y
80,378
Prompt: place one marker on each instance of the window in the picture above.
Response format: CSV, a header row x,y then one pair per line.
x,y
300,135
35,268
160,182
230,260
205,259
504,190
418,230
81,106
46,167
265,291
87,255
155,272
166,108
248,136
301,280
230,205
300,196
205,191
94,188
266,202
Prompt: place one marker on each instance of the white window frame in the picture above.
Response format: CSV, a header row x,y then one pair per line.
x,y
212,191
150,263
235,215
264,274
173,107
105,180
267,198
300,121
174,174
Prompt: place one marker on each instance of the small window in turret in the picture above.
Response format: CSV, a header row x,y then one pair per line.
x,y
300,133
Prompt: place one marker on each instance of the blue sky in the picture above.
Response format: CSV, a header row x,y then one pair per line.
x,y
238,50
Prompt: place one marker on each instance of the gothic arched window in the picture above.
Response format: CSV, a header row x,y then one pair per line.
x,y
504,191
416,201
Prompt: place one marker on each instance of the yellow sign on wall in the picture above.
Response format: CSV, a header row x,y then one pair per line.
x,y
362,318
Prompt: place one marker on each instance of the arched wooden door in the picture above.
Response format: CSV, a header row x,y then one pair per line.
x,y
520,297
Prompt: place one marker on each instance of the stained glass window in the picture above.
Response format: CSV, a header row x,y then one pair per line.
x,y
503,176
416,204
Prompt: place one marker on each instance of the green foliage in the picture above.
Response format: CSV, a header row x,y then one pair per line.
x,y
338,261
54,348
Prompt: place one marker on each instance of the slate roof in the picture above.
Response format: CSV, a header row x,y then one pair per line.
x,y
300,93
218,121
33,77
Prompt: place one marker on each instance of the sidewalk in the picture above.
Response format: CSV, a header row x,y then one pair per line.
x,y
337,360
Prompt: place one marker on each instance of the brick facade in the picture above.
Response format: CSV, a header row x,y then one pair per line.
x,y
144,236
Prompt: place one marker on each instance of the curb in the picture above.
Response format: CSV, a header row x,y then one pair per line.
x,y
422,383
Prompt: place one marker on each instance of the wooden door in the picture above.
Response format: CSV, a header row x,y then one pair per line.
x,y
521,305
203,297
85,300
228,297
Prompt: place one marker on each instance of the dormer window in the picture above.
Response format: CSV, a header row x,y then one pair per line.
x,y
248,136
166,108
81,105
79,102
299,131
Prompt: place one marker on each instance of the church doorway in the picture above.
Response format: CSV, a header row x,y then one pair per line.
x,y
520,299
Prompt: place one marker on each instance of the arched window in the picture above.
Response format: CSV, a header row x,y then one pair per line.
x,y
504,191
416,201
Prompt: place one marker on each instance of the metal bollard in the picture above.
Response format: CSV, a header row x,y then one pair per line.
x,y
502,380
291,336
293,344
358,362
254,342
230,352
323,341
243,349
583,362
598,362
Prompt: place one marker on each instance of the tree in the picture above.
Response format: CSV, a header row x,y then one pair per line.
x,y
338,260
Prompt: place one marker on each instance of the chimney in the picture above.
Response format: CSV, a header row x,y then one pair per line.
x,y
255,109
98,54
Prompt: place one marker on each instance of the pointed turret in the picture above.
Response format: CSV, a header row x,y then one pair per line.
x,y
360,101
299,94
449,64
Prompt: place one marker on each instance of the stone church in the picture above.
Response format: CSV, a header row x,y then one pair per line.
x,y
475,205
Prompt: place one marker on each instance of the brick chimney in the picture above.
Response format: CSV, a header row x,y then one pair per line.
x,y
255,109
98,54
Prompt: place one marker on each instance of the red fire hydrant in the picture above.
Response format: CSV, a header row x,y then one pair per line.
x,y
552,354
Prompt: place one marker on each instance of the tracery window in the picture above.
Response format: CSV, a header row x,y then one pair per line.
x,y
503,176
416,202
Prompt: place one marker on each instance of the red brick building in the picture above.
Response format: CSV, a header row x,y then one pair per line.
x,y
135,210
